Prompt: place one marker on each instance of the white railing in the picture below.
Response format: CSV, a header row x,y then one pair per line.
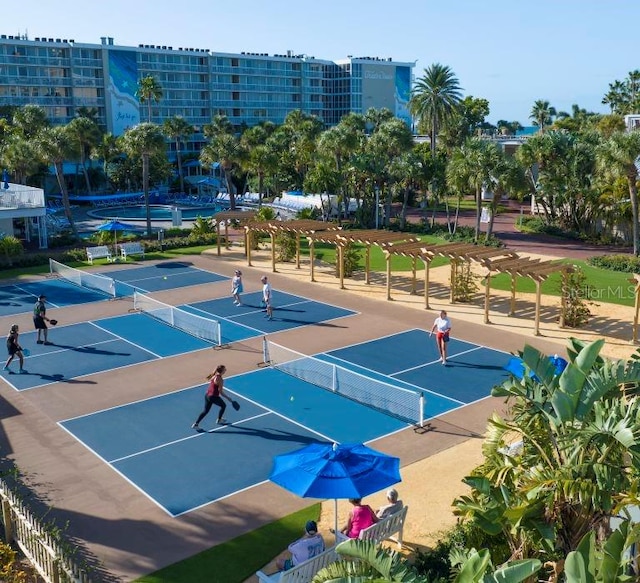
x,y
21,196
39,546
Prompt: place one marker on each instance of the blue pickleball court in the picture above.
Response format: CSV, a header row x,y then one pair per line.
x,y
151,443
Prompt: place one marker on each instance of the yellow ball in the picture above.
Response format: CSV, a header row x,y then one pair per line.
x,y
291,399
165,277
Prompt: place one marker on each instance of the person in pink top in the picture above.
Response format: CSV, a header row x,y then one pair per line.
x,y
361,516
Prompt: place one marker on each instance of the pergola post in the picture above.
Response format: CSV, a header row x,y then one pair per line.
x,y
272,236
248,244
413,275
226,235
341,265
311,258
367,264
426,283
563,298
298,250
453,281
536,328
389,276
487,297
512,301
218,237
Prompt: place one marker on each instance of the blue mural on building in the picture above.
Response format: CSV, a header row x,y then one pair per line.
x,y
123,82
403,94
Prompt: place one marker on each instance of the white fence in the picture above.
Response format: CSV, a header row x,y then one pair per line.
x,y
40,547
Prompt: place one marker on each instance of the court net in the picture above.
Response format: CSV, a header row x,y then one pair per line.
x,y
92,281
198,326
405,404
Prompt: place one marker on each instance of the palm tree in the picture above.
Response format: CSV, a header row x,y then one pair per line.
x,y
542,114
472,167
29,120
178,129
106,150
149,90
224,148
84,134
618,157
20,157
435,99
55,146
259,159
144,140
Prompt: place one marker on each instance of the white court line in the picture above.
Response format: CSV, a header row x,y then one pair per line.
x,y
225,318
36,297
197,434
435,361
125,339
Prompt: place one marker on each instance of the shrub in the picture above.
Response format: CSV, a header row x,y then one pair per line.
x,y
574,289
620,262
285,246
10,248
351,257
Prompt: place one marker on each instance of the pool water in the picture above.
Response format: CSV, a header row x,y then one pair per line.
x,y
158,212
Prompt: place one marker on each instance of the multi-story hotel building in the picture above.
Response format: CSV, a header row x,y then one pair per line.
x,y
62,75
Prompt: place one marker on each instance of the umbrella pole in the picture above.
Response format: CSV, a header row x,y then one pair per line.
x,y
335,517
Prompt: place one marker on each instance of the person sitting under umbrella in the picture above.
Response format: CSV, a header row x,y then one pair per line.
x,y
394,505
361,516
303,549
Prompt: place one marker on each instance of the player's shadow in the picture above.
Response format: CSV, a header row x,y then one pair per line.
x,y
273,435
174,265
452,362
59,378
92,350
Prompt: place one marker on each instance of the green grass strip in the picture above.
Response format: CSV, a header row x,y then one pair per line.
x,y
236,560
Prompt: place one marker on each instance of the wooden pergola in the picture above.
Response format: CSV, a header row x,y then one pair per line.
x,y
495,260
455,252
225,217
366,237
299,228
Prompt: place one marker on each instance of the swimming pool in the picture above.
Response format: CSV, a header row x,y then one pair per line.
x,y
159,212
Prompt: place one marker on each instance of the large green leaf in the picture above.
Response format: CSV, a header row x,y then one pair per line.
x,y
515,571
474,567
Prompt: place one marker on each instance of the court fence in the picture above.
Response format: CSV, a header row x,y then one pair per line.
x,y
41,548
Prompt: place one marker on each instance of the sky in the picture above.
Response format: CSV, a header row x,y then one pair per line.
x,y
510,52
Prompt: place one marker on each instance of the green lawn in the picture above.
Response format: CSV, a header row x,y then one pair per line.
x,y
238,559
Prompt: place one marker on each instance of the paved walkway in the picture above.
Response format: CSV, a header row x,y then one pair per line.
x,y
504,228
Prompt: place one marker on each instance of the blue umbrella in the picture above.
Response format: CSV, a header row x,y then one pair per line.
x,y
516,367
5,179
322,470
116,226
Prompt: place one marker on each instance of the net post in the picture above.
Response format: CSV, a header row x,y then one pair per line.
x,y
421,416
50,266
219,332
334,380
265,351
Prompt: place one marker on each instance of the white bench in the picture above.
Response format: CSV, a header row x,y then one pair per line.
x,y
304,572
98,253
127,249
383,529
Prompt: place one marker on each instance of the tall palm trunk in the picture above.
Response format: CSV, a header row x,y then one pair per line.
x,y
478,214
179,158
65,197
145,185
